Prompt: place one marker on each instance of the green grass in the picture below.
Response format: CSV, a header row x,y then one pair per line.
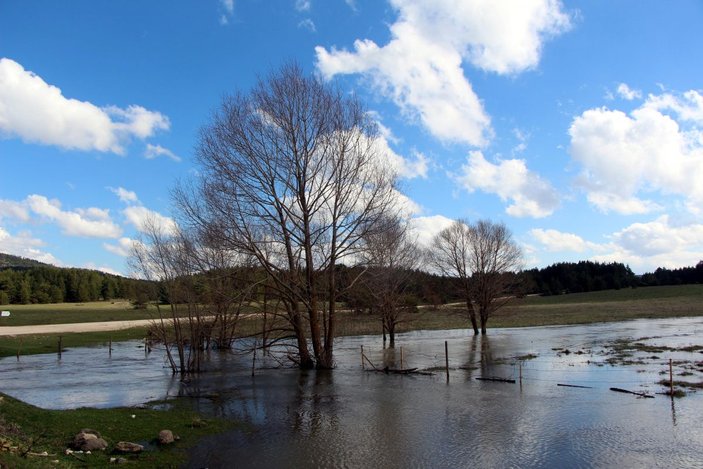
x,y
63,313
26,428
603,306
33,344
576,308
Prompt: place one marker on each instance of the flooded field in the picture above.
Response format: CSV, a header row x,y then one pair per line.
x,y
351,417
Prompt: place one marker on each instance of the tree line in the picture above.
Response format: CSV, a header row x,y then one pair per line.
x,y
48,284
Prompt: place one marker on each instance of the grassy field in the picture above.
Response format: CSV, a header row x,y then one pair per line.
x,y
577,308
63,313
27,431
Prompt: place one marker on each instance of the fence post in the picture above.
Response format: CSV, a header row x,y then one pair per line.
x,y
60,346
446,359
401,358
362,357
671,378
520,373
109,350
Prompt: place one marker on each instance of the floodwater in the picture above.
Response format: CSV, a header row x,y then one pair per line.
x,y
351,417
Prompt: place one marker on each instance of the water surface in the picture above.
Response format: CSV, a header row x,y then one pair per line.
x,y
351,417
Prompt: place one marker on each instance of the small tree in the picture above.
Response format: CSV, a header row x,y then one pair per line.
x,y
483,256
391,256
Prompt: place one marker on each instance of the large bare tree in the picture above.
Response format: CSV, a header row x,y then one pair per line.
x,y
289,176
484,257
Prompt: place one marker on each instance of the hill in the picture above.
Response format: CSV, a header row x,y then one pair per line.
x,y
16,262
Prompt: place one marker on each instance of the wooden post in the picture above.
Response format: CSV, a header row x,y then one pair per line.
x,y
60,347
671,378
446,358
362,357
401,358
19,347
520,373
253,361
109,350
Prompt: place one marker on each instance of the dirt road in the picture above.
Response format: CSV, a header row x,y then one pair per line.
x,y
74,327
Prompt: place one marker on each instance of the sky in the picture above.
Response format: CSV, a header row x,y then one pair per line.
x,y
578,124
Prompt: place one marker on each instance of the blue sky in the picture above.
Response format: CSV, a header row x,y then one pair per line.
x,y
577,124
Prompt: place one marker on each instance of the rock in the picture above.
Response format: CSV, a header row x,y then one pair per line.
x,y
89,440
166,437
128,447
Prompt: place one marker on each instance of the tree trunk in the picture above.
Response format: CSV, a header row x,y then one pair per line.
x,y
472,316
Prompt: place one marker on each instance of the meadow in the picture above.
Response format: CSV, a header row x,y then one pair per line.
x,y
576,308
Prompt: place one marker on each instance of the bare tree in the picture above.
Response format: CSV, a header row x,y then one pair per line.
x,y
289,176
165,255
391,256
483,256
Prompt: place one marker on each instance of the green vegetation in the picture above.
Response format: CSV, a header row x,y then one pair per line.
x,y
25,282
64,313
48,343
26,431
577,308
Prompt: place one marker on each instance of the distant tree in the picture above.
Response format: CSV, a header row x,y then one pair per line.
x,y
480,255
391,257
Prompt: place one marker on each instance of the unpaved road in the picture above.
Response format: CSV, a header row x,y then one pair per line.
x,y
74,327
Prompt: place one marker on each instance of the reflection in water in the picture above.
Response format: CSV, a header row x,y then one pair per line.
x,y
354,418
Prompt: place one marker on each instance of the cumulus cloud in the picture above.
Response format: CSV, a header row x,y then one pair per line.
x,y
405,168
91,222
154,151
643,246
426,228
656,148
124,195
557,241
140,217
24,245
528,193
14,210
37,112
625,92
420,69
123,247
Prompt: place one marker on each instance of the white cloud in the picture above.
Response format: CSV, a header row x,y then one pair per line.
x,y
308,24
420,69
154,151
646,151
405,168
35,111
24,245
558,241
124,195
659,243
140,217
123,247
228,7
14,210
644,246
627,93
426,228
688,107
528,193
91,222
303,5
